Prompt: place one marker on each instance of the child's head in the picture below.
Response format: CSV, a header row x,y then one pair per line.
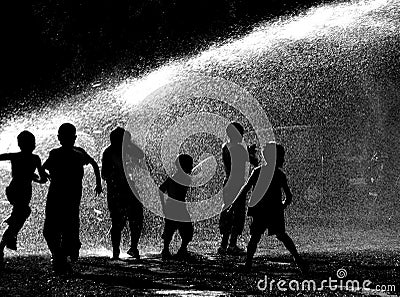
x,y
67,135
26,141
235,132
184,162
118,136
274,152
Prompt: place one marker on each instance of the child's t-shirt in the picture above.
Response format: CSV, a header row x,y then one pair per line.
x,y
267,193
234,156
23,167
112,168
176,187
66,170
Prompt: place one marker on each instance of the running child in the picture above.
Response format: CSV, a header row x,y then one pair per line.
x,y
19,192
61,226
266,205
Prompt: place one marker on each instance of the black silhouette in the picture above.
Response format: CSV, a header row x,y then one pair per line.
x,y
19,192
177,217
253,158
61,227
121,194
268,209
231,223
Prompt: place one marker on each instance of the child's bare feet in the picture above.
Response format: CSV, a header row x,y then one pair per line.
x,y
166,255
303,266
134,252
235,251
12,243
221,251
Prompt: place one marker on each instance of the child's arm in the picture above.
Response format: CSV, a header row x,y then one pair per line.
x,y
161,191
96,170
48,164
252,151
161,194
6,157
43,176
105,168
249,184
226,159
245,189
288,193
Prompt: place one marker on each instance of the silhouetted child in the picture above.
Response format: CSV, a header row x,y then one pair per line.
x,y
122,200
266,205
232,219
66,167
19,192
177,217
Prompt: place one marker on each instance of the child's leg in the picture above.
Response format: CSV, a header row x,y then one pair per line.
x,y
238,220
289,244
257,228
135,218
226,217
4,239
186,233
225,228
224,240
17,219
71,243
8,238
53,235
3,243
233,240
169,230
251,248
21,215
117,224
232,216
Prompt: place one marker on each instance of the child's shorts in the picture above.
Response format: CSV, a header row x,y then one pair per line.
x,y
275,223
185,230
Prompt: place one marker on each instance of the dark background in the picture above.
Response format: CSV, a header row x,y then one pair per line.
x,y
53,46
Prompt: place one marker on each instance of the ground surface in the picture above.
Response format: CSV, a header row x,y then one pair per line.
x,y
203,275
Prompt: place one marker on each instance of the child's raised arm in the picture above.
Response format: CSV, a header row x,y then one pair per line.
x,y
6,157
